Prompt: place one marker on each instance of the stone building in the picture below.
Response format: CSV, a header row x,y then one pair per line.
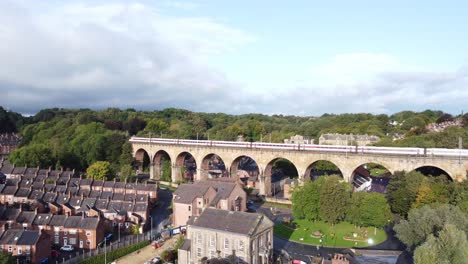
x,y
298,139
246,237
348,140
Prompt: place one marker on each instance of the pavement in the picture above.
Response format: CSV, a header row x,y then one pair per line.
x,y
147,253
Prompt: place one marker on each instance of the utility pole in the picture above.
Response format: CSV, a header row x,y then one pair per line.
x,y
105,251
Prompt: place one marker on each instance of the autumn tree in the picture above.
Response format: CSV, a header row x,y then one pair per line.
x,y
100,170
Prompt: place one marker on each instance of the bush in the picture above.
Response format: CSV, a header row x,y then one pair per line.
x,y
113,255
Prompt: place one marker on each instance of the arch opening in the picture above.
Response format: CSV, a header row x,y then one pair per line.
x,y
433,171
141,161
213,167
185,168
322,168
282,174
246,169
162,168
370,177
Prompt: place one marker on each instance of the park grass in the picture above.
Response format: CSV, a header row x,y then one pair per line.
x,y
305,228
171,188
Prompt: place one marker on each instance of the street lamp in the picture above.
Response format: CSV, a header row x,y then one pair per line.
x,y
105,251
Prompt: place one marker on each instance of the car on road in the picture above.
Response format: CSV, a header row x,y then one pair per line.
x,y
67,248
44,261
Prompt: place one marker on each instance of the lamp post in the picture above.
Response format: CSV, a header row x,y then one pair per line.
x,y
118,230
151,236
105,251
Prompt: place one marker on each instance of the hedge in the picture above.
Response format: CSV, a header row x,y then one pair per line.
x,y
115,254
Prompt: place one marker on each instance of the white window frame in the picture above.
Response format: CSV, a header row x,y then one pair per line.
x,y
199,238
199,252
240,245
212,241
226,243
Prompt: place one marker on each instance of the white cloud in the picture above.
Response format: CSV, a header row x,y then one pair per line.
x,y
110,54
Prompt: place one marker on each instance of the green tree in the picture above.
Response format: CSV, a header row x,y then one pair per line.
x,y
100,170
6,258
306,200
426,221
126,172
402,191
334,198
369,209
33,155
449,247
166,171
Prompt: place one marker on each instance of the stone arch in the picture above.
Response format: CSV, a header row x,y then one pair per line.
x,y
433,170
212,166
162,165
274,180
142,160
362,178
243,167
310,175
184,167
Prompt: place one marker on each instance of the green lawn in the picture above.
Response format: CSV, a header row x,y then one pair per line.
x,y
306,228
279,205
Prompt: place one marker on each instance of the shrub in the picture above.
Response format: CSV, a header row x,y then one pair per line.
x,y
115,254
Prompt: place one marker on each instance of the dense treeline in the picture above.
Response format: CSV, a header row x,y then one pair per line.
x,y
76,138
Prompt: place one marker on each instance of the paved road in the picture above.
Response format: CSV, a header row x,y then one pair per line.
x,y
147,253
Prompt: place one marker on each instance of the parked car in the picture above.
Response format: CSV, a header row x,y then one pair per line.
x,y
54,253
44,261
67,248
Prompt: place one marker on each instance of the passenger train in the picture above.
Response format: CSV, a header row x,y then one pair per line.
x,y
311,147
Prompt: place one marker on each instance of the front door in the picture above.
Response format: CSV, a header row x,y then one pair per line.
x,y
65,241
81,243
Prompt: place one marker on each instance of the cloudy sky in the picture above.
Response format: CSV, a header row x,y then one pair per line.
x,y
272,57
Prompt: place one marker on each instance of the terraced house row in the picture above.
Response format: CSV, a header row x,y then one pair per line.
x,y
69,209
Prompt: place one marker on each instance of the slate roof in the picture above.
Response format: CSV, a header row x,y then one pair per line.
x,y
49,197
118,197
119,185
106,195
109,184
26,182
58,220
31,171
68,174
140,207
11,236
73,222
49,187
130,197
74,182
76,201
19,170
29,238
61,188
36,195
186,193
230,221
86,182
23,192
7,168
10,214
97,183
38,185
62,180
95,194
87,204
42,172
89,223
26,217
62,198
101,204
42,219
9,190
85,192
142,197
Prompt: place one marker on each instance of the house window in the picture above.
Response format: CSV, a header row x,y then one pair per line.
x,y
212,241
190,208
199,252
88,233
241,245
212,254
65,233
226,243
199,238
28,250
57,239
72,232
10,249
88,242
72,241
20,251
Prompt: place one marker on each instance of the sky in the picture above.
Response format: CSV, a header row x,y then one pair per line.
x,y
273,57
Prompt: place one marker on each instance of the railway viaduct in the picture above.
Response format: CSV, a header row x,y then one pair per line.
x,y
455,167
